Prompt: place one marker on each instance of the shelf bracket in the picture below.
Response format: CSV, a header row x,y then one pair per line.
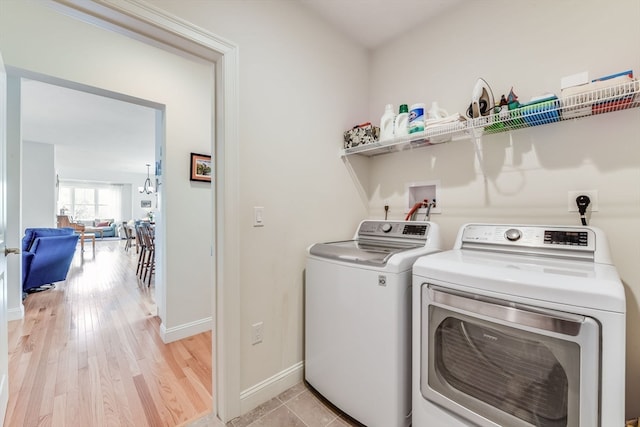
x,y
476,137
351,167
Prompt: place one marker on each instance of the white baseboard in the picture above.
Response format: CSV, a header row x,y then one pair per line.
x,y
15,313
271,387
184,331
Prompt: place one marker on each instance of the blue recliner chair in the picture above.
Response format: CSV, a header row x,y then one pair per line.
x,y
46,256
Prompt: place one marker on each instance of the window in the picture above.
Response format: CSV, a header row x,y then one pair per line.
x,y
90,200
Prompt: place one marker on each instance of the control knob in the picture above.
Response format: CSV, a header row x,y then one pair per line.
x,y
512,234
386,227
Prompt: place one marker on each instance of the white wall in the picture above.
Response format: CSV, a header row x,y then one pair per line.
x,y
530,46
35,38
301,86
38,185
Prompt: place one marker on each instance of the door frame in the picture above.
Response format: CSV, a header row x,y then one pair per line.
x,y
4,336
145,22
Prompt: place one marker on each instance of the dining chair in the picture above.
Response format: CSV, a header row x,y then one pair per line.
x,y
148,261
142,249
128,235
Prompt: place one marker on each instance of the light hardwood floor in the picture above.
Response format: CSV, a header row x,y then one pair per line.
x,y
88,353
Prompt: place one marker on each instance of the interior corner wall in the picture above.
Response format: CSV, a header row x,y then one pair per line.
x,y
301,86
37,38
38,185
527,46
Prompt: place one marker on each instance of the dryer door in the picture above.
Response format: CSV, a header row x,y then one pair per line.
x,y
499,363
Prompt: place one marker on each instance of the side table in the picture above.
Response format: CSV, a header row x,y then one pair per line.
x,y
88,236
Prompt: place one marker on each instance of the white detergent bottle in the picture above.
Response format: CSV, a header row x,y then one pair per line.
x,y
386,123
401,124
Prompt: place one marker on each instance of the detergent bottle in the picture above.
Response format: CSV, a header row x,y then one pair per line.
x,y
401,124
386,123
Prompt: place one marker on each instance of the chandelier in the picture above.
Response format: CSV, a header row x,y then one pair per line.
x,y
148,188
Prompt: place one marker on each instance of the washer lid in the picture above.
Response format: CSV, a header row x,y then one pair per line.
x,y
365,252
377,241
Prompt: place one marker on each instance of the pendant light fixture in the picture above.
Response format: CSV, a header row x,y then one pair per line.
x,y
148,188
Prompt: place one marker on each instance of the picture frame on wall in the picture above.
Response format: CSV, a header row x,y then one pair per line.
x,y
145,203
201,169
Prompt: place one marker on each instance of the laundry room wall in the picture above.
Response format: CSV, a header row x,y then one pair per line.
x,y
301,85
527,173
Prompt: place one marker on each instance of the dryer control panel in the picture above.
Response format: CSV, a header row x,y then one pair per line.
x,y
564,237
579,242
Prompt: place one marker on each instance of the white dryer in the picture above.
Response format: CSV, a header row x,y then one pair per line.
x,y
358,319
519,325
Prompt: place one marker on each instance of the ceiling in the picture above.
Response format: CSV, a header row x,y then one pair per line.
x,y
96,132
374,22
89,131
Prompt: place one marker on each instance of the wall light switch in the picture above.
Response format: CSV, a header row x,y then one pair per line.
x,y
258,216
257,333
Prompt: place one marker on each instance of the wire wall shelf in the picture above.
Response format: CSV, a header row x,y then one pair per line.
x,y
582,101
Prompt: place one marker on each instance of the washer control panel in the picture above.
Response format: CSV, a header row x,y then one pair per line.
x,y
530,236
394,229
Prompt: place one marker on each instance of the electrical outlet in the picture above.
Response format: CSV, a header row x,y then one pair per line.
x,y
593,197
257,333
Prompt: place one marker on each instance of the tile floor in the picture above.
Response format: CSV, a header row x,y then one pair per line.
x,y
299,406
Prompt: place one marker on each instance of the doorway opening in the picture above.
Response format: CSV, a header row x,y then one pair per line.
x,y
101,141
101,146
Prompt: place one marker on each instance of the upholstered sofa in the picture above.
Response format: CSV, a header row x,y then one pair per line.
x,y
108,227
46,256
101,227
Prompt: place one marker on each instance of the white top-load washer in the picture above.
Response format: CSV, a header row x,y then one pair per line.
x,y
519,325
358,319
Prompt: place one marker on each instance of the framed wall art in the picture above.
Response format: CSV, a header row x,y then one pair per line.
x,y
200,167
